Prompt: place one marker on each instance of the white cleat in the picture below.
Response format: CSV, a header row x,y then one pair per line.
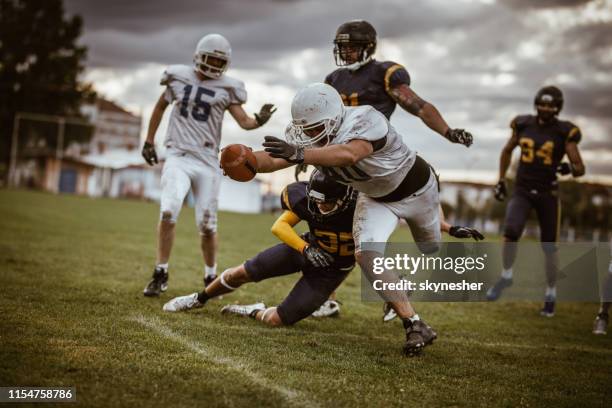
x,y
388,313
243,310
600,325
330,308
187,302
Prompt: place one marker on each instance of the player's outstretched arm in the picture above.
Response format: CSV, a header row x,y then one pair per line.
x,y
148,150
267,164
247,122
414,104
577,165
329,156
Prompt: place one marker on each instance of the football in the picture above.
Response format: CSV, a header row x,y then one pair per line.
x,y
238,162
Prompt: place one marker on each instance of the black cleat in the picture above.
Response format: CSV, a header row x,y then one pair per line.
x,y
158,284
209,279
496,290
418,335
549,307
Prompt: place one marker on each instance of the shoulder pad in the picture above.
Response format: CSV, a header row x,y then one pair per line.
x,y
293,198
571,131
235,88
521,121
175,72
394,74
365,123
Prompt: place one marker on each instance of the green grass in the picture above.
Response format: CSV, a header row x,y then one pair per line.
x,y
72,271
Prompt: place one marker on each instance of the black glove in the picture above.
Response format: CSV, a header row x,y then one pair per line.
x,y
148,152
564,168
264,114
465,232
300,168
500,191
317,257
459,136
283,150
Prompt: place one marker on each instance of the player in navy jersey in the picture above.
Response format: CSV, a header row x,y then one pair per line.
x,y
544,141
362,80
324,255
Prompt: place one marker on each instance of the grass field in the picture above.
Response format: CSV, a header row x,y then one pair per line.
x,y
72,272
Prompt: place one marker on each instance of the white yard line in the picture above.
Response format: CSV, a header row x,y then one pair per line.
x,y
292,396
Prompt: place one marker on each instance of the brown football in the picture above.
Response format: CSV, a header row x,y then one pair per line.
x,y
238,162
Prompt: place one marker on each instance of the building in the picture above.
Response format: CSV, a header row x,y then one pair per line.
x,y
115,129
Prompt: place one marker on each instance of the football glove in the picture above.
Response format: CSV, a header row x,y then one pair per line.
x,y
149,154
317,257
465,232
500,191
299,169
280,149
264,114
460,136
564,168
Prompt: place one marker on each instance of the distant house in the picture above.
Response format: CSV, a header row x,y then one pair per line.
x,y
115,129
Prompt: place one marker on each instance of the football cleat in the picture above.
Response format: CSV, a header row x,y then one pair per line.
x,y
549,307
600,325
187,302
388,312
243,310
496,290
330,308
208,279
418,335
158,284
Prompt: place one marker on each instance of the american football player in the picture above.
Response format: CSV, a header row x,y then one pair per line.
x,y
357,146
200,93
544,141
324,255
362,80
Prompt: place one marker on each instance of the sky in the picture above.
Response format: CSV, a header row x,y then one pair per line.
x,y
480,62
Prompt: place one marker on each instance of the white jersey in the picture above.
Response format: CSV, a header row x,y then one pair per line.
x,y
382,171
199,106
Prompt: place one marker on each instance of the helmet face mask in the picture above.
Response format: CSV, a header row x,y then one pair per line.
x,y
327,197
354,44
317,112
212,56
548,103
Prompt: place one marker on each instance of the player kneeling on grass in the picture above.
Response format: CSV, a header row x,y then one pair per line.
x,y
325,255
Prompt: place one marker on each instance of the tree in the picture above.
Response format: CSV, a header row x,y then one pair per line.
x,y
40,64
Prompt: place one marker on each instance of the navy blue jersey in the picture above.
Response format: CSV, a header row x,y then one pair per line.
x,y
542,149
369,85
334,234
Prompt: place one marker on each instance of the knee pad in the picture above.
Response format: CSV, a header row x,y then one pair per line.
x,y
511,235
207,223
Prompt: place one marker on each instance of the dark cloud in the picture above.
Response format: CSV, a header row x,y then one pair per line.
x,y
491,58
542,4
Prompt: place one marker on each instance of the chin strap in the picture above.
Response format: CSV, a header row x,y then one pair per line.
x,y
356,65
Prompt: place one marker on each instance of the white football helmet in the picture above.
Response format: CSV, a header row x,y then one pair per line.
x,y
216,46
317,111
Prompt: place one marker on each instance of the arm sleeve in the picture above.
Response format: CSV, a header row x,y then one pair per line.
x,y
283,229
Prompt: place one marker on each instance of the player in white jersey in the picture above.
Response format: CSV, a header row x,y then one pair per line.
x,y
200,95
359,147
